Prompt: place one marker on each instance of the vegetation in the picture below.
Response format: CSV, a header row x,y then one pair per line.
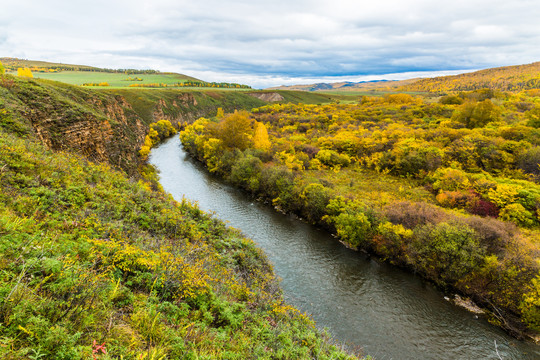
x,y
507,78
98,265
449,189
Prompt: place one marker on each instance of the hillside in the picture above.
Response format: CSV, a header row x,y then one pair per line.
x,y
506,78
96,264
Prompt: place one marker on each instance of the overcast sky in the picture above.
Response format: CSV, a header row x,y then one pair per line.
x,y
266,43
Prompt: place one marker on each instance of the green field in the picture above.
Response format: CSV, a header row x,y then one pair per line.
x,y
116,80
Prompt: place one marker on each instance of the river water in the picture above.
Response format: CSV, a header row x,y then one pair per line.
x,y
363,303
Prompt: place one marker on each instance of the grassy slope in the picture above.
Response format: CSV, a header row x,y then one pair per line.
x,y
90,257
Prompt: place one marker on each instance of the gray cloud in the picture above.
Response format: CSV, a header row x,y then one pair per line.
x,y
263,42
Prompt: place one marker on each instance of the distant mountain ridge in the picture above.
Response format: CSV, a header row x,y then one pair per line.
x,y
346,85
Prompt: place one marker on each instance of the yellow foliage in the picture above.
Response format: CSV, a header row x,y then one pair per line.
x,y
220,114
504,194
260,140
26,72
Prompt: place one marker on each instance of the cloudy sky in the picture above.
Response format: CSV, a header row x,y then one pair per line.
x,y
266,43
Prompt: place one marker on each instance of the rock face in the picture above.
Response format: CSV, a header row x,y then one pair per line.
x,y
100,126
106,125
93,125
267,96
175,111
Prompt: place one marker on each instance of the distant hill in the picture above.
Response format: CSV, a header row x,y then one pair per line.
x,y
11,64
379,85
506,78
111,78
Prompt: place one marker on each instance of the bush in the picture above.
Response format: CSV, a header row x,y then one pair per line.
x,y
451,100
413,214
446,251
529,161
517,214
476,115
333,158
493,234
450,179
315,198
530,305
353,228
246,172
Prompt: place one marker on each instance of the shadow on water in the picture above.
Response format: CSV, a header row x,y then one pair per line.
x,y
390,313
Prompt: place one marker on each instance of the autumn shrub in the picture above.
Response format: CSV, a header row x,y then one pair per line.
x,y
392,241
158,132
332,158
315,198
235,130
456,199
450,179
530,305
246,172
354,228
477,114
517,214
482,207
451,100
529,161
413,214
504,194
533,117
494,235
446,251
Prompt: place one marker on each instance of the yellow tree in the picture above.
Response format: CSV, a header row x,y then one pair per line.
x,y
220,113
260,139
2,70
235,130
25,72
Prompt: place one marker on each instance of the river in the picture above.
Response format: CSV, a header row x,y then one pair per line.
x,y
363,303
